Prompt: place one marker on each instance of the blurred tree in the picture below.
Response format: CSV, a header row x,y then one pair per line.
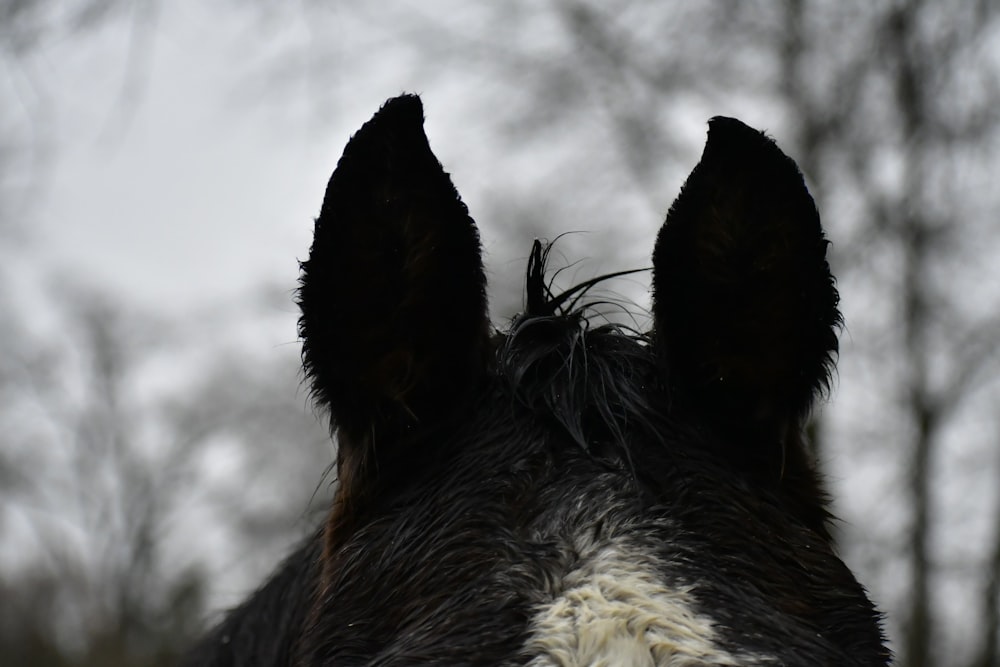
x,y
892,106
103,476
91,583
109,476
908,112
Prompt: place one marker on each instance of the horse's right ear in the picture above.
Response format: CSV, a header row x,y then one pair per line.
x,y
393,300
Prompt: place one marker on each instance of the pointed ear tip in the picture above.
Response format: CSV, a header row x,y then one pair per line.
x,y
398,123
406,108
728,123
734,142
732,133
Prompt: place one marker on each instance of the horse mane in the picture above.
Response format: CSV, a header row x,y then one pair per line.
x,y
593,379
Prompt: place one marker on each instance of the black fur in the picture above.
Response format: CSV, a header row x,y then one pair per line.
x,y
476,472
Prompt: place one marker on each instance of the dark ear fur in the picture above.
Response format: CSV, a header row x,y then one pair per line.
x,y
394,322
744,303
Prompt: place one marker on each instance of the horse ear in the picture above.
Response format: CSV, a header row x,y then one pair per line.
x,y
745,306
393,300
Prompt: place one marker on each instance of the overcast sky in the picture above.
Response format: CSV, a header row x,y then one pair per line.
x,y
187,190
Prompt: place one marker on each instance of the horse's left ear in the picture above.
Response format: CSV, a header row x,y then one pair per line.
x,y
744,301
393,300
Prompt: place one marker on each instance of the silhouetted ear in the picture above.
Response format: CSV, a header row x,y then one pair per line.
x,y
394,322
744,302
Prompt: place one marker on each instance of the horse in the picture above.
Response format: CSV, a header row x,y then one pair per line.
x,y
565,491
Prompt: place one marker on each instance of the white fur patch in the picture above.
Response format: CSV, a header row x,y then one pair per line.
x,y
613,610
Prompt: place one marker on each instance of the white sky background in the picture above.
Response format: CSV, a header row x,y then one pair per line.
x,y
196,191
202,182
205,184
187,192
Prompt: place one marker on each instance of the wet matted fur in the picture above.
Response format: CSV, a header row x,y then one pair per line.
x,y
562,493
